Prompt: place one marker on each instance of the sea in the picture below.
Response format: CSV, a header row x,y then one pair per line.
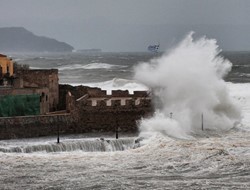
x,y
209,159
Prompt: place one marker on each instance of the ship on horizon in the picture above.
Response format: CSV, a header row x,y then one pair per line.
x,y
154,48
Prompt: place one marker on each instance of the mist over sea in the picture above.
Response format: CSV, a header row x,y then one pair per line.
x,y
167,159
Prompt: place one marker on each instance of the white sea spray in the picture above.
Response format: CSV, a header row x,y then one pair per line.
x,y
187,82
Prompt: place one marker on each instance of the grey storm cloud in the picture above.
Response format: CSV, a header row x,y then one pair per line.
x,y
130,25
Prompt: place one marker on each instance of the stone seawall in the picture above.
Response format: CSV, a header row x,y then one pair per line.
x,y
35,126
102,121
105,113
87,110
85,121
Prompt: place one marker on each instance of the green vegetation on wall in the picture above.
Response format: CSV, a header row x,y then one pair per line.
x,y
19,105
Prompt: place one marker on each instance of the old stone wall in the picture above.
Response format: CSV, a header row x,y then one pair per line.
x,y
87,119
76,91
86,110
98,111
36,126
43,78
99,93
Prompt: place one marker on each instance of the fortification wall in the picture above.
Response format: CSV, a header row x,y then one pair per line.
x,y
106,112
35,126
99,93
77,122
76,91
96,121
93,110
99,100
112,105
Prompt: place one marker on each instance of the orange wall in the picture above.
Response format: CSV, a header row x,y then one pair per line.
x,y
5,63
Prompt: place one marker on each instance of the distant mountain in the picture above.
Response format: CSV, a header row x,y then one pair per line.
x,y
18,39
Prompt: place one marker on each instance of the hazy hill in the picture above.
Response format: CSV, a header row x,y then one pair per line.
x,y
18,39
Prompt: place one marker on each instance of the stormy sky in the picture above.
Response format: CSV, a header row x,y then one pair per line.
x,y
131,25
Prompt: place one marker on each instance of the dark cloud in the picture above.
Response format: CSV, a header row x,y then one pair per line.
x,y
130,25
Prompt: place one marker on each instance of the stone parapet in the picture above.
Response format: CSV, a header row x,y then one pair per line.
x,y
114,103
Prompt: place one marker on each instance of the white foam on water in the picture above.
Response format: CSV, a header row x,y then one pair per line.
x,y
117,84
240,93
88,66
210,163
188,82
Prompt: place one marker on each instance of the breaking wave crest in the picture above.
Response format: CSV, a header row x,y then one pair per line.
x,y
88,66
117,84
187,84
76,145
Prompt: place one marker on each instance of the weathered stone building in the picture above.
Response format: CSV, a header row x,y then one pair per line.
x,y
27,92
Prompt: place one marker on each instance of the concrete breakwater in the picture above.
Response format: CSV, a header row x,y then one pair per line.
x,y
35,126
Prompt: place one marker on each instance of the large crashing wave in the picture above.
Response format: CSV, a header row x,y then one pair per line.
x,y
188,82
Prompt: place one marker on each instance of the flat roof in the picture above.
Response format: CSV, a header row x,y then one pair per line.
x,y
2,55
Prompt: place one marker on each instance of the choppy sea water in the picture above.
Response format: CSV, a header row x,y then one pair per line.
x,y
211,160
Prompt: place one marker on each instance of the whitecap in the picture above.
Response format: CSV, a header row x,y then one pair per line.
x,y
88,66
117,84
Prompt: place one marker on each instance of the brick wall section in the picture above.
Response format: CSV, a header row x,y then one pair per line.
x,y
96,92
43,78
76,91
95,114
36,126
105,118
88,119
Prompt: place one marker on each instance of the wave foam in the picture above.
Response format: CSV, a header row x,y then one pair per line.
x,y
188,82
117,84
88,66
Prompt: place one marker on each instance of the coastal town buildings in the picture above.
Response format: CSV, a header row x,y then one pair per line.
x,y
26,92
